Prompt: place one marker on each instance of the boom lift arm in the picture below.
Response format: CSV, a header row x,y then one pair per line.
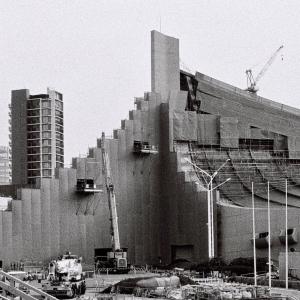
x,y
115,237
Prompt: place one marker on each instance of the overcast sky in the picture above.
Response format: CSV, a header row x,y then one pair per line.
x,y
97,53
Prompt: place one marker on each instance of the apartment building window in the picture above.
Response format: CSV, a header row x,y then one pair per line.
x,y
33,113
33,104
46,135
46,104
59,128
33,166
46,112
33,127
34,173
46,142
46,149
59,136
59,121
58,105
32,136
46,126
58,95
33,120
33,143
46,119
59,114
46,157
46,172
59,165
59,151
35,150
46,165
59,144
33,158
60,158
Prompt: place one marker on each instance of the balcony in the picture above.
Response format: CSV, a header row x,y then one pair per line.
x,y
33,136
33,113
33,120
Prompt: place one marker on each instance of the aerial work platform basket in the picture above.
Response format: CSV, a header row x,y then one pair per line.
x,y
87,186
140,147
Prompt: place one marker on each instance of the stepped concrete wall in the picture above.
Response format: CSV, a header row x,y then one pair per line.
x,y
161,199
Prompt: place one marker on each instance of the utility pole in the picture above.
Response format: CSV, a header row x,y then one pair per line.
x,y
210,204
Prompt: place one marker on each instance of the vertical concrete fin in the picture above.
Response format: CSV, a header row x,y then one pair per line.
x,y
165,74
36,220
17,229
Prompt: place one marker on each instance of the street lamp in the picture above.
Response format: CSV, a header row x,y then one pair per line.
x,y
209,190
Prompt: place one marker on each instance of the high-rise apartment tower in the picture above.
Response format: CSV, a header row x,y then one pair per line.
x,y
37,135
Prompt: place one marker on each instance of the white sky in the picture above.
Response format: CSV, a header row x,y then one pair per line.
x,y
97,53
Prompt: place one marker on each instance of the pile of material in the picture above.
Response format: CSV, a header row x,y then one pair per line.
x,y
170,288
224,291
144,286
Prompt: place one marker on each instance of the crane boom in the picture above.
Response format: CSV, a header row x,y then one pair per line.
x,y
251,81
115,237
268,64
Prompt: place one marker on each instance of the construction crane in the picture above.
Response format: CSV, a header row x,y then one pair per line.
x,y
251,82
116,258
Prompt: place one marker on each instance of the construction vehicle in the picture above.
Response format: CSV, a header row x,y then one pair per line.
x,y
65,277
115,260
251,82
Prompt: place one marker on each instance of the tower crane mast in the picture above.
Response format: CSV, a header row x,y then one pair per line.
x,y
251,81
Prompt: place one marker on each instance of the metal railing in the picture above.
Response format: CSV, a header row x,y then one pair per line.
x,y
8,285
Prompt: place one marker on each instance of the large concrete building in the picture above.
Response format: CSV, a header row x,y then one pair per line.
x,y
37,135
162,198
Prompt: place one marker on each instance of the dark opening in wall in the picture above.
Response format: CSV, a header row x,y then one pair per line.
x,y
189,83
257,144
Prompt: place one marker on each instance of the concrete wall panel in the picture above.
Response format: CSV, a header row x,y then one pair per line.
x,y
45,216
27,223
71,215
185,125
54,219
81,168
207,129
229,132
63,212
36,224
90,239
130,182
2,250
82,237
7,238
17,239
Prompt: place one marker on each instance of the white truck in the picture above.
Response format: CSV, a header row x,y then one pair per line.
x,y
65,278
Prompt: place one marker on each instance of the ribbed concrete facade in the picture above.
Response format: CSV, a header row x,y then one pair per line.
x,y
161,198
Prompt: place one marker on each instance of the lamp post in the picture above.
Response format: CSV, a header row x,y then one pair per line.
x,y
209,189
